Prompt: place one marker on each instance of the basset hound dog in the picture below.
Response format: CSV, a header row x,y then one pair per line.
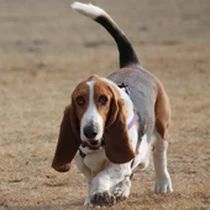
x,y
114,124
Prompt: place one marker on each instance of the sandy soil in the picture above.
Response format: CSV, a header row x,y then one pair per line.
x,y
45,49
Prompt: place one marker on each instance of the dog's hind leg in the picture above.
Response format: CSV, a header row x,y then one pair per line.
x,y
162,177
163,114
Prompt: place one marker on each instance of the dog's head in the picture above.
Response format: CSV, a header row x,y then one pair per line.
x,y
97,113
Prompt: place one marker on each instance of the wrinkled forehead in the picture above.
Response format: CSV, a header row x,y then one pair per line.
x,y
94,84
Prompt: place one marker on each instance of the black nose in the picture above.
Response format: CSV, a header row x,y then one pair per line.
x,y
90,132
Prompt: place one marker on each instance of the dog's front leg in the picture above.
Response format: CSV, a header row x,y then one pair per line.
x,y
104,181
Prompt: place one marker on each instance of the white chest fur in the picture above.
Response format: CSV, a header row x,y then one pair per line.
x,y
95,161
92,163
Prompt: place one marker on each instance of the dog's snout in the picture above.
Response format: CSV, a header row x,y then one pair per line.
x,y
90,132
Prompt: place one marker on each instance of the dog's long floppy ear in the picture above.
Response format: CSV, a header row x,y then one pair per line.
x,y
117,144
68,142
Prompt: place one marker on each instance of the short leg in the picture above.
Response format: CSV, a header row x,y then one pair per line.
x,y
163,117
102,184
87,202
162,178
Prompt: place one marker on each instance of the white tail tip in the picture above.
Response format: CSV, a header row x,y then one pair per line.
x,y
88,10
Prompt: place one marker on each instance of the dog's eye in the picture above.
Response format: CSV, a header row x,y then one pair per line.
x,y
102,100
80,100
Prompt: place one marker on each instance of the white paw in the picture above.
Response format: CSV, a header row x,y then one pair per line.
x,y
163,185
102,199
122,190
121,194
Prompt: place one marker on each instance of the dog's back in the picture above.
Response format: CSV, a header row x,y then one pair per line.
x,y
139,85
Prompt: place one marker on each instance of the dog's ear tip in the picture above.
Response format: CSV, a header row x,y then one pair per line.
x,y
120,159
61,168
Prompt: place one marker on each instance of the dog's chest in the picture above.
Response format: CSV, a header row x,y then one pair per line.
x,y
95,161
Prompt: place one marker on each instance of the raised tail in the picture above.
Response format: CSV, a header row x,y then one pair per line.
x,y
126,52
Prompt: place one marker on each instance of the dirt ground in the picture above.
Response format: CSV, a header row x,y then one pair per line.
x,y
46,49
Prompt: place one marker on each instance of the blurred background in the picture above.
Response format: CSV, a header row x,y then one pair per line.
x,y
46,49
43,27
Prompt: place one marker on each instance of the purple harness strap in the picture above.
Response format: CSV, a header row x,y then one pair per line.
x,y
133,121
